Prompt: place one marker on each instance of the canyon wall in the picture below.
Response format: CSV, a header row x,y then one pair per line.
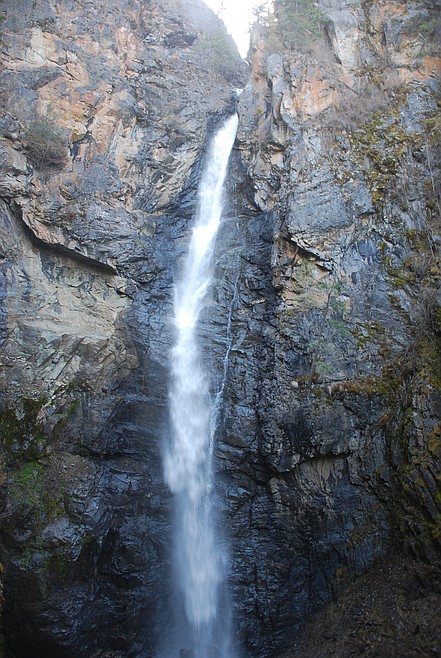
x,y
326,305
107,109
338,340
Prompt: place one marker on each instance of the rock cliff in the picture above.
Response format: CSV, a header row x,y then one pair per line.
x,y
327,305
106,110
340,141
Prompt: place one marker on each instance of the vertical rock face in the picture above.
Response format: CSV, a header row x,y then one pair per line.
x,y
106,108
332,415
324,326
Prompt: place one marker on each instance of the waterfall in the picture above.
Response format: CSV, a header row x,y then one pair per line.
x,y
199,562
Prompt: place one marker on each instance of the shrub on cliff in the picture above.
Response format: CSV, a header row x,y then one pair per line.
x,y
45,144
427,23
295,23
298,20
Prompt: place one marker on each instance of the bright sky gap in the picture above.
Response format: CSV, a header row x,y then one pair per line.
x,y
237,16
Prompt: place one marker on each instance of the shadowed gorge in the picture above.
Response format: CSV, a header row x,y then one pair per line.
x,y
319,336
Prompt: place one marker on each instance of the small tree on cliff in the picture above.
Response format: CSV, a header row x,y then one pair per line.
x,y
299,20
297,23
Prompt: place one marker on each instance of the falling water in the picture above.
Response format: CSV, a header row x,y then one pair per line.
x,y
199,561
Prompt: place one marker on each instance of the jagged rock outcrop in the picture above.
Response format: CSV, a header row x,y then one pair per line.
x,y
323,334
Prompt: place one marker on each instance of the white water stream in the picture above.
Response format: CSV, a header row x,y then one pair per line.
x,y
199,561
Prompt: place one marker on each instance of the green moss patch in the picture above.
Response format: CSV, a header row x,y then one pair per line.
x,y
22,431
